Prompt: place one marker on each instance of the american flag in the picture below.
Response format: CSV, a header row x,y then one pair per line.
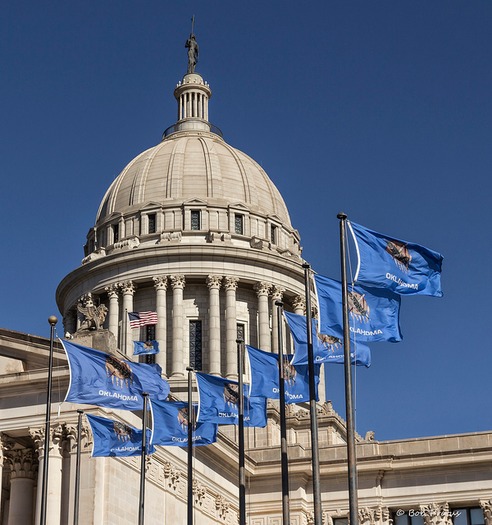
x,y
138,319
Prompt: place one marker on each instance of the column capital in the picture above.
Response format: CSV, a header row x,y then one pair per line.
x,y
299,303
177,281
436,514
160,282
214,281
262,288
231,283
71,435
57,433
127,287
487,510
277,293
112,291
22,463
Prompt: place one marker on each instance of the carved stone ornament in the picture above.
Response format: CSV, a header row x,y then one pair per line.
x,y
214,281
112,291
222,506
277,293
94,316
262,288
231,283
487,510
22,463
127,287
299,303
436,514
160,282
177,281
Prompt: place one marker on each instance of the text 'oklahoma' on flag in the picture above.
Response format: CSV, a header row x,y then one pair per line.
x,y
171,425
218,402
404,267
113,438
138,319
374,312
264,374
326,348
98,378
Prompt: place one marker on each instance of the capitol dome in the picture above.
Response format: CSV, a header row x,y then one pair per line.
x,y
195,231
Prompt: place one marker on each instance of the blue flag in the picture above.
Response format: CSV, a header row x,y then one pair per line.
x,y
171,425
265,380
145,347
218,402
404,267
113,438
98,378
326,348
374,312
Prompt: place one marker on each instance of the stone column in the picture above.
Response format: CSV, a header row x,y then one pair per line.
x,y
128,290
213,283
264,336
22,472
230,284
160,285
71,447
178,284
113,313
299,305
277,294
54,489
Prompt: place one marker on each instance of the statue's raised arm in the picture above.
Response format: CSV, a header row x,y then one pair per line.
x,y
192,47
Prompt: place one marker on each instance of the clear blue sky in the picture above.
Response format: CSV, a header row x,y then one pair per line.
x,y
381,109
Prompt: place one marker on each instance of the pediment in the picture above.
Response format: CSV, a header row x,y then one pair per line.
x,y
195,202
152,205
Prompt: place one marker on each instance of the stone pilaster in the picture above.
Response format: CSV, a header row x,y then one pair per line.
x,y
230,285
128,289
54,489
71,440
487,510
178,283
436,514
160,285
23,467
277,294
213,284
375,516
113,313
262,290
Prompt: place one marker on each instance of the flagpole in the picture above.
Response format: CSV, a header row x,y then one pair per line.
x,y
283,422
141,510
312,403
77,470
52,320
242,476
191,421
349,409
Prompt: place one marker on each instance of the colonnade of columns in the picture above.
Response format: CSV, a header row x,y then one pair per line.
x,y
121,301
22,468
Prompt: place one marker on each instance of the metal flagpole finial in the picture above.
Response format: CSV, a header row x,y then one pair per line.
x,y
342,216
52,319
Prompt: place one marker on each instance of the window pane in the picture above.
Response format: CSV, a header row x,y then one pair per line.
x,y
238,224
116,233
401,520
476,516
460,517
195,219
273,234
196,344
152,228
417,520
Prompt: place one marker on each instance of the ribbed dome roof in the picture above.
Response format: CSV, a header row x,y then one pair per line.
x,y
193,164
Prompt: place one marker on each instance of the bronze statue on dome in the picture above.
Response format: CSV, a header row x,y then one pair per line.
x,y
192,47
